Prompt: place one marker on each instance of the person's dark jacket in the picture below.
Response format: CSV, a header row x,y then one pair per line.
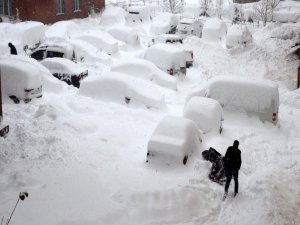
x,y
13,50
233,159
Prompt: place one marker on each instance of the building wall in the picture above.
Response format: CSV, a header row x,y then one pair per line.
x,y
45,10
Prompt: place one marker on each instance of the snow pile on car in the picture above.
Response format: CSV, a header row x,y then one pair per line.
x,y
101,40
173,140
140,68
62,30
238,34
125,34
123,89
205,112
22,34
166,56
113,16
214,29
163,23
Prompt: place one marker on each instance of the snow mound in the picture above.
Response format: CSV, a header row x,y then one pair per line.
x,y
205,112
144,69
122,89
173,139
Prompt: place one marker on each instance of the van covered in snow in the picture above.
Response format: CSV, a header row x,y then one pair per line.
x,y
255,97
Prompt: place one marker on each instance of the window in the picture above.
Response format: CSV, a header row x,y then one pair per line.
x,y
77,4
60,6
51,54
38,55
6,7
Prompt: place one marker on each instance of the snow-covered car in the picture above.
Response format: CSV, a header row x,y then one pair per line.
x,y
214,30
174,140
164,23
122,89
113,16
168,58
50,50
21,79
189,26
178,41
205,112
125,34
258,97
65,70
237,35
144,69
101,40
138,13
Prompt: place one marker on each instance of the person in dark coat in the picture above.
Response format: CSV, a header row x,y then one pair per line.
x,y
13,50
233,162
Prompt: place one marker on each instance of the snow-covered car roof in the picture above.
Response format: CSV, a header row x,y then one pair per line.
x,y
62,30
187,21
119,88
141,68
62,65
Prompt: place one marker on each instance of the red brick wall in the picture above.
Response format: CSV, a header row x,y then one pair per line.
x,y
45,10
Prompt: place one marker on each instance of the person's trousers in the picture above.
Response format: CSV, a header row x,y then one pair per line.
x,y
229,175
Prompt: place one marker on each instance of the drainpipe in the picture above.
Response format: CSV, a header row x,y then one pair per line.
x,y
3,129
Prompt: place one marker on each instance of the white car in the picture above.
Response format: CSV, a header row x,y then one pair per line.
x,y
205,112
144,69
65,70
21,78
174,140
164,23
123,89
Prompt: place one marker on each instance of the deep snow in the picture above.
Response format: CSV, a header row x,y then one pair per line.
x,y
82,160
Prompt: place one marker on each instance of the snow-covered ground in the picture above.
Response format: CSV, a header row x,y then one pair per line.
x,y
83,160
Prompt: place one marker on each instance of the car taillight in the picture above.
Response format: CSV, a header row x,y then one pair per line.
x,y
78,77
28,90
171,72
274,117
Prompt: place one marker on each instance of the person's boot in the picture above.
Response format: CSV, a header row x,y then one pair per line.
x,y
225,195
235,193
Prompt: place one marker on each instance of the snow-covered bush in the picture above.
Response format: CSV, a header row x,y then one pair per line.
x,y
122,89
205,112
144,69
173,140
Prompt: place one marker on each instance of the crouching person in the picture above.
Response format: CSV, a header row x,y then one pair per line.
x,y
217,171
